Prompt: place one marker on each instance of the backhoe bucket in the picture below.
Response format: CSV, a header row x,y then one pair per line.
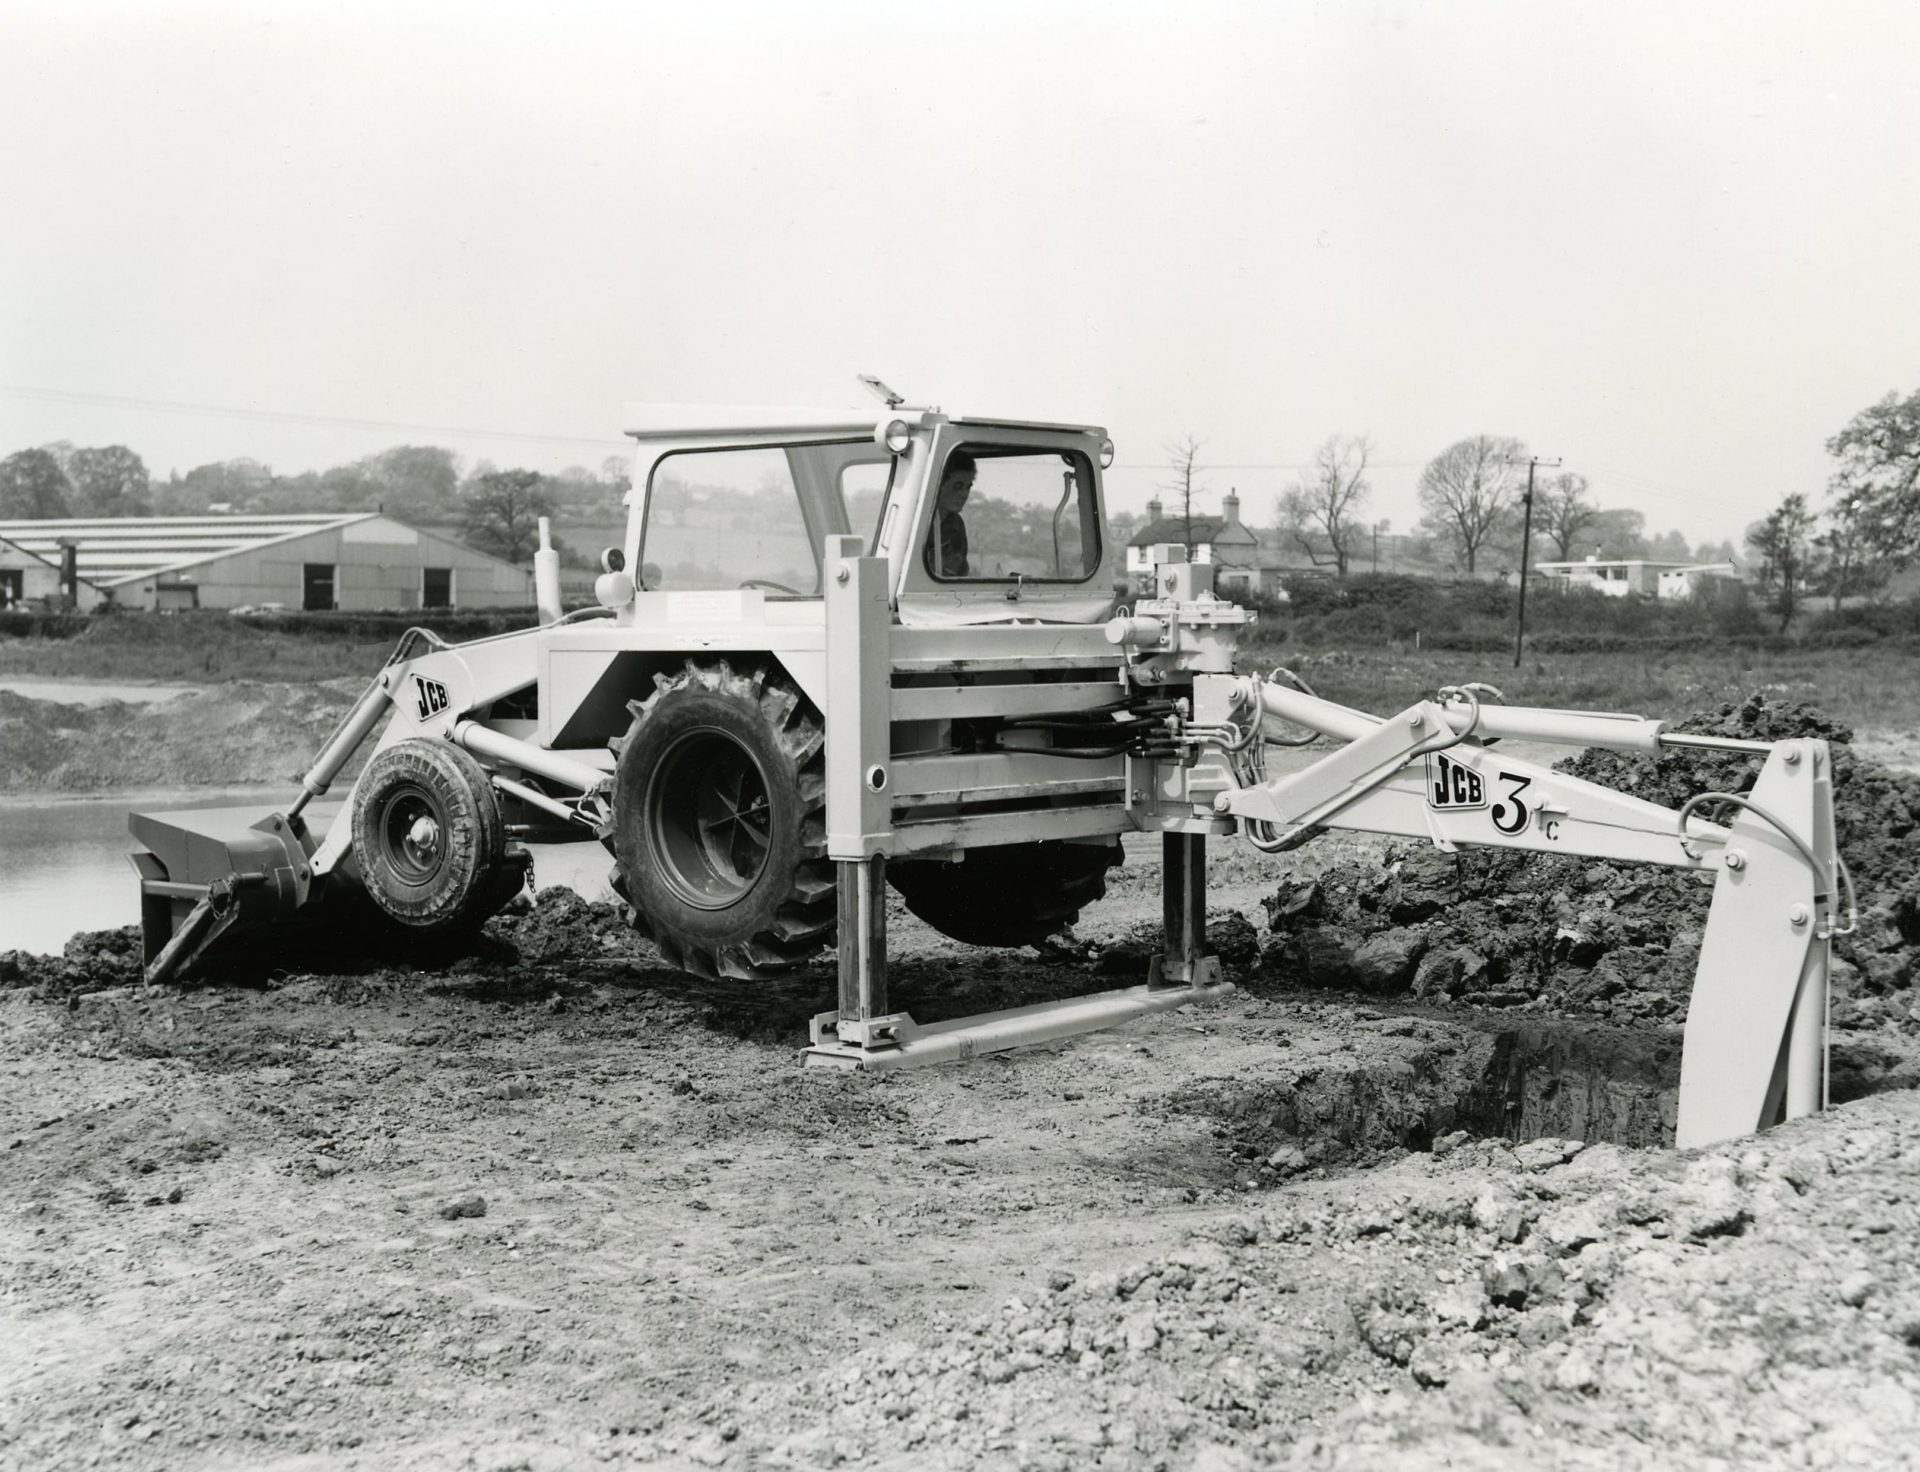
x,y
205,872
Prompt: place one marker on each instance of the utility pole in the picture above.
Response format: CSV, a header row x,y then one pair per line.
x,y
1526,550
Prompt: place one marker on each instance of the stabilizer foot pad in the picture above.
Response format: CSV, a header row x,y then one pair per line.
x,y
995,1032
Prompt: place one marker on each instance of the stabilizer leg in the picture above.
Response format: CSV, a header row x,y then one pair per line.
x,y
1183,909
862,1034
1756,1027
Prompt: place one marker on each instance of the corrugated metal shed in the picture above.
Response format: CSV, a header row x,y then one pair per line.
x,y
125,548
357,560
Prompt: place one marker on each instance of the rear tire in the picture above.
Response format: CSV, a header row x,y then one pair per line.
x,y
1016,895
719,827
428,840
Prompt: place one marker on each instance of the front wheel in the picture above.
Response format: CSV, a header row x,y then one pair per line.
x,y
428,839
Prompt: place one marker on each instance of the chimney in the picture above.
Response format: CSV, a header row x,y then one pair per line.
x,y
69,572
1153,511
1231,505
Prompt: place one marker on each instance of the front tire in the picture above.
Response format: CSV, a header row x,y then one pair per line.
x,y
719,825
428,839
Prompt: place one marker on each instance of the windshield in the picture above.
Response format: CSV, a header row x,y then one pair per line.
x,y
1002,515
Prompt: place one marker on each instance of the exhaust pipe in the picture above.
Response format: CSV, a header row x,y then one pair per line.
x,y
546,578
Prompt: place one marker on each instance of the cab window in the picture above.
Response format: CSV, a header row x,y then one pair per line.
x,y
728,519
1003,514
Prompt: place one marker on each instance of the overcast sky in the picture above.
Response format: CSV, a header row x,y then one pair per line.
x,y
1674,245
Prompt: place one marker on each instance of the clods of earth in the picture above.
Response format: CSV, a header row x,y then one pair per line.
x,y
1406,1199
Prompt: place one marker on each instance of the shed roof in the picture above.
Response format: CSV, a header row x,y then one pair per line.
x,y
123,549
23,548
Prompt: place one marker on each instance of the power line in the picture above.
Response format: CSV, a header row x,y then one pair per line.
x,y
331,421
1266,465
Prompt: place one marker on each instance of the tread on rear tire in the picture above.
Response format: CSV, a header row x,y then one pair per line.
x,y
719,827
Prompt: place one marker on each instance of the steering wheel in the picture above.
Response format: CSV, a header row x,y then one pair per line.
x,y
771,586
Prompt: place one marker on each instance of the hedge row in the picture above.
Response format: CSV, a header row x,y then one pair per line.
x,y
23,623
114,624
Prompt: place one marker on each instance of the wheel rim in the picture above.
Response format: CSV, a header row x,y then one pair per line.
x,y
711,818
413,834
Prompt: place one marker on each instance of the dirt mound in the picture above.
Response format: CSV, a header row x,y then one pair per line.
x,y
1618,941
219,736
92,961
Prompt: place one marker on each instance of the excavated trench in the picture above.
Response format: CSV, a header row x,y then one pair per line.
x,y
1341,1084
1332,1092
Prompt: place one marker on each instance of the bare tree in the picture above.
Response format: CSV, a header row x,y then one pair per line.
x,y
1465,492
1320,511
1183,459
1562,511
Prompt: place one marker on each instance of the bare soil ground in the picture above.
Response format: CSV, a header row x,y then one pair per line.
x,y
552,1205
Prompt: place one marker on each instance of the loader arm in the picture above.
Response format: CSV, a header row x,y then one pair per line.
x,y
1755,1034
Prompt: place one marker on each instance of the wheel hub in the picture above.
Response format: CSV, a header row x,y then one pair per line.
x,y
415,837
711,815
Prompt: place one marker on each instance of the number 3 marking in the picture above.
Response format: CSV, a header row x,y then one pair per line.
x,y
1510,816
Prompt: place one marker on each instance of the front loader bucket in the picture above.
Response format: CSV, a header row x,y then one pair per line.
x,y
206,872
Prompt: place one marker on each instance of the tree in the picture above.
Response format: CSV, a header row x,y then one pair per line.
x,y
235,483
111,481
1786,558
502,513
1465,491
1561,511
1183,458
420,481
1321,510
1853,563
33,487
1669,547
1620,533
1876,486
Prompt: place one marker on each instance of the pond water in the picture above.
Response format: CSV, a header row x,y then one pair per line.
x,y
63,861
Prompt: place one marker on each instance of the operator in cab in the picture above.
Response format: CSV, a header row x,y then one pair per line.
x,y
947,542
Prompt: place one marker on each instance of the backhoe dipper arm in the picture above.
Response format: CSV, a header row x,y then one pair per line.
x,y
1755,1036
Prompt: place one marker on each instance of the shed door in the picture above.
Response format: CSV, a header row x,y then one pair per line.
x,y
13,586
317,587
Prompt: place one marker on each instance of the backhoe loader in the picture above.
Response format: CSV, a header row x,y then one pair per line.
x,y
839,650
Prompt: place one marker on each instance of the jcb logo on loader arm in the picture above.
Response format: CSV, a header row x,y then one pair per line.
x,y
1452,785
432,695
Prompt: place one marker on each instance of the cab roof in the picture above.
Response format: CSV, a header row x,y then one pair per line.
x,y
719,421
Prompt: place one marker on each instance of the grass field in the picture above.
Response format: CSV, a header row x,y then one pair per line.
x,y
1877,688
199,649
1874,689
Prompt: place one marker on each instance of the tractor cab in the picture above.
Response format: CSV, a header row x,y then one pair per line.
x,y
980,520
